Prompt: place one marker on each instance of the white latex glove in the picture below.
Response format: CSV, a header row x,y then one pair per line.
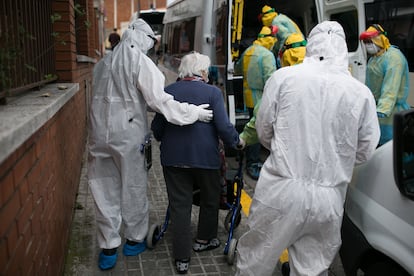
x,y
241,144
205,115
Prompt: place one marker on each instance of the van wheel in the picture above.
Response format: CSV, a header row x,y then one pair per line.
x,y
385,268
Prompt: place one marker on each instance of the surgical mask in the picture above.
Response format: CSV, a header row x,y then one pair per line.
x,y
371,48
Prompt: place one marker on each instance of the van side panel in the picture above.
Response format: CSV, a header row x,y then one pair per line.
x,y
379,211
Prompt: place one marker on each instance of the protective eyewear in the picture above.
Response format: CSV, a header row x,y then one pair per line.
x,y
153,38
368,35
291,46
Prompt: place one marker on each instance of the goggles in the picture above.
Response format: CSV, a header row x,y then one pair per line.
x,y
292,45
153,38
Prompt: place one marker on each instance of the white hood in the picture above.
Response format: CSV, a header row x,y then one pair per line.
x,y
326,43
140,34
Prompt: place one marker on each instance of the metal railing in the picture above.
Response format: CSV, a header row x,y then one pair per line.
x,y
27,50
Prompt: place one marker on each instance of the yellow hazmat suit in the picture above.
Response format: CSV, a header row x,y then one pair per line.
x,y
257,64
285,25
387,76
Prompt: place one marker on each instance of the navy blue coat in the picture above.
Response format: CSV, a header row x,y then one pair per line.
x,y
195,145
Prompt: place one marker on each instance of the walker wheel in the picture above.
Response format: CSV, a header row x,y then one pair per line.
x,y
232,251
227,220
153,232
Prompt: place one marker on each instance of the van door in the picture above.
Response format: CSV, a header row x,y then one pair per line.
x,y
234,84
351,15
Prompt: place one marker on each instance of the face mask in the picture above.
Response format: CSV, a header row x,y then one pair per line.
x,y
371,48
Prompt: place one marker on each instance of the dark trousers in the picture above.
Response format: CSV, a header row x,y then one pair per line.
x,y
180,183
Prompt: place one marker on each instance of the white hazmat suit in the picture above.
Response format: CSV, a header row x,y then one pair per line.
x,y
318,122
125,82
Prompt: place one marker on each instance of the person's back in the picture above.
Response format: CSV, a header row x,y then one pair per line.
x,y
256,72
317,121
326,126
257,64
196,145
286,26
190,158
331,103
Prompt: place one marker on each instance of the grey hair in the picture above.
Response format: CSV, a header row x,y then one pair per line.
x,y
193,64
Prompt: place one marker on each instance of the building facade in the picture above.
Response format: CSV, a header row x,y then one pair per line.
x,y
118,12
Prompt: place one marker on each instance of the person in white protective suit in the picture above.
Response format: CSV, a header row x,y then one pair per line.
x,y
318,122
125,82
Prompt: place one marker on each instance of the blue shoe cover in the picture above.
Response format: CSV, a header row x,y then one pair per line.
x,y
254,170
133,250
107,261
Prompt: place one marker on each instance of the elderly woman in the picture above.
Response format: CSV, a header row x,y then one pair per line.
x,y
190,156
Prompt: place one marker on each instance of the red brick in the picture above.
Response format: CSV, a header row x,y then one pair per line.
x,y
61,6
8,213
34,176
26,234
23,189
8,164
23,218
4,256
12,237
36,217
15,264
65,65
6,188
24,164
40,146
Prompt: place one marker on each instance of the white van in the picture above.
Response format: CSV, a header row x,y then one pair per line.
x,y
378,226
223,29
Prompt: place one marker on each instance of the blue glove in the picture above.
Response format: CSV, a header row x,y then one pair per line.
x,y
381,115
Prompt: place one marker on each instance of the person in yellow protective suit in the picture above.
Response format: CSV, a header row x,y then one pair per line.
x,y
293,52
387,76
285,25
256,64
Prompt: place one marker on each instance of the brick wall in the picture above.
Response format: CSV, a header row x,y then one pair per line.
x,y
38,189
39,181
124,10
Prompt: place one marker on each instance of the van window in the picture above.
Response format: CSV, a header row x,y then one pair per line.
x,y
349,22
178,40
179,37
397,19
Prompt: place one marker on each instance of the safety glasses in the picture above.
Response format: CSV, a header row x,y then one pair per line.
x,y
153,38
292,45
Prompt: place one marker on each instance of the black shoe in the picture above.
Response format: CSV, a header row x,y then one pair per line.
x,y
211,244
182,266
285,269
